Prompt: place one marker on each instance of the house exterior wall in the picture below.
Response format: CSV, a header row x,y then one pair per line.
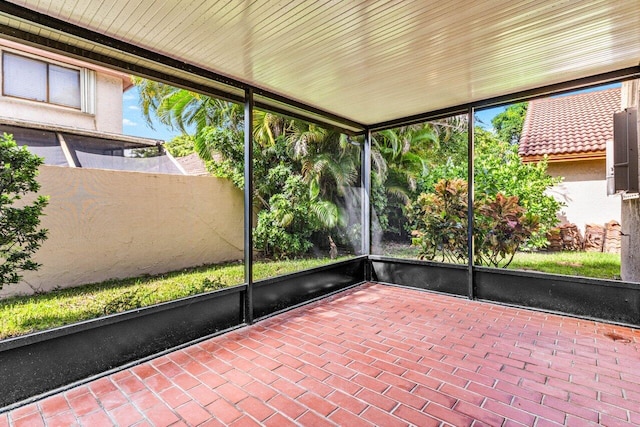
x,y
630,248
584,191
108,117
111,224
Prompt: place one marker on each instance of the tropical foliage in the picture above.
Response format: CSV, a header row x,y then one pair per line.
x,y
20,236
307,175
180,146
305,172
498,168
508,124
439,221
401,159
500,225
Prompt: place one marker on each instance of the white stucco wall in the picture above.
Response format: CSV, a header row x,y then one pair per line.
x,y
108,117
112,224
584,191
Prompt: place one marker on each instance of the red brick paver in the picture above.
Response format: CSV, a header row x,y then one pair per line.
x,y
375,355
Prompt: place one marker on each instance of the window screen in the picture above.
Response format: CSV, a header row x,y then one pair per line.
x,y
64,86
42,143
24,77
36,80
119,155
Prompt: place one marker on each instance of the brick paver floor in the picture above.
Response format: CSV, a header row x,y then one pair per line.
x,y
375,355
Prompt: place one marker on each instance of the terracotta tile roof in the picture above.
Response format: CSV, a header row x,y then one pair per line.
x,y
569,127
192,165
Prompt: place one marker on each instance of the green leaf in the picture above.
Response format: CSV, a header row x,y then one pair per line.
x,y
326,212
314,189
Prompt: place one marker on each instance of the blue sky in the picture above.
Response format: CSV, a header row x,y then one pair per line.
x,y
483,117
133,122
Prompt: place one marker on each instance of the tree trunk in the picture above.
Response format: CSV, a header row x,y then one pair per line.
x,y
630,213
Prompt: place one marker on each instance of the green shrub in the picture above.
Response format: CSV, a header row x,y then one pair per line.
x,y
439,220
180,146
499,169
20,236
286,227
501,226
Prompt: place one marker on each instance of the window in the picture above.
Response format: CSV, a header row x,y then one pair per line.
x,y
40,81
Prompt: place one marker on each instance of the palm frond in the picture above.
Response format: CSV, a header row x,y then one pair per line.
x,y
326,212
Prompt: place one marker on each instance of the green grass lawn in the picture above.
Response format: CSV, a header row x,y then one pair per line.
x,y
587,264
22,315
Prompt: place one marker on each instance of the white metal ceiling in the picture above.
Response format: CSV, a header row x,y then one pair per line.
x,y
374,61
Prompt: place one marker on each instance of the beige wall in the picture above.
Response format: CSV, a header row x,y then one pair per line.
x,y
584,191
108,117
111,224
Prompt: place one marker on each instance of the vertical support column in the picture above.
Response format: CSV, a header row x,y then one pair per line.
x,y
248,204
470,199
630,209
365,200
365,186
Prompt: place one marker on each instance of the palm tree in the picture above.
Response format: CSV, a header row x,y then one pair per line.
x,y
327,160
185,110
402,156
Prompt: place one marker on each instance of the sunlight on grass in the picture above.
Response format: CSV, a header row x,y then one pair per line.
x,y
586,264
22,315
397,250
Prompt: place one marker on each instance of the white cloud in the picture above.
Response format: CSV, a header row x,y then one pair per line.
x,y
128,96
127,122
133,107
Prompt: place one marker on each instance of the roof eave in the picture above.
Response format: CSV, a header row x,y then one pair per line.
x,y
565,157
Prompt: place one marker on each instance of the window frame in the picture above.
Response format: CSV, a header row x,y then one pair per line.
x,y
81,88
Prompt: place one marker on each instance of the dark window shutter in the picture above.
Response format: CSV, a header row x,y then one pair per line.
x,y
625,150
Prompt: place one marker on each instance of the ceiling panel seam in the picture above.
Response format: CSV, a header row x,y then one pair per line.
x,y
30,17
